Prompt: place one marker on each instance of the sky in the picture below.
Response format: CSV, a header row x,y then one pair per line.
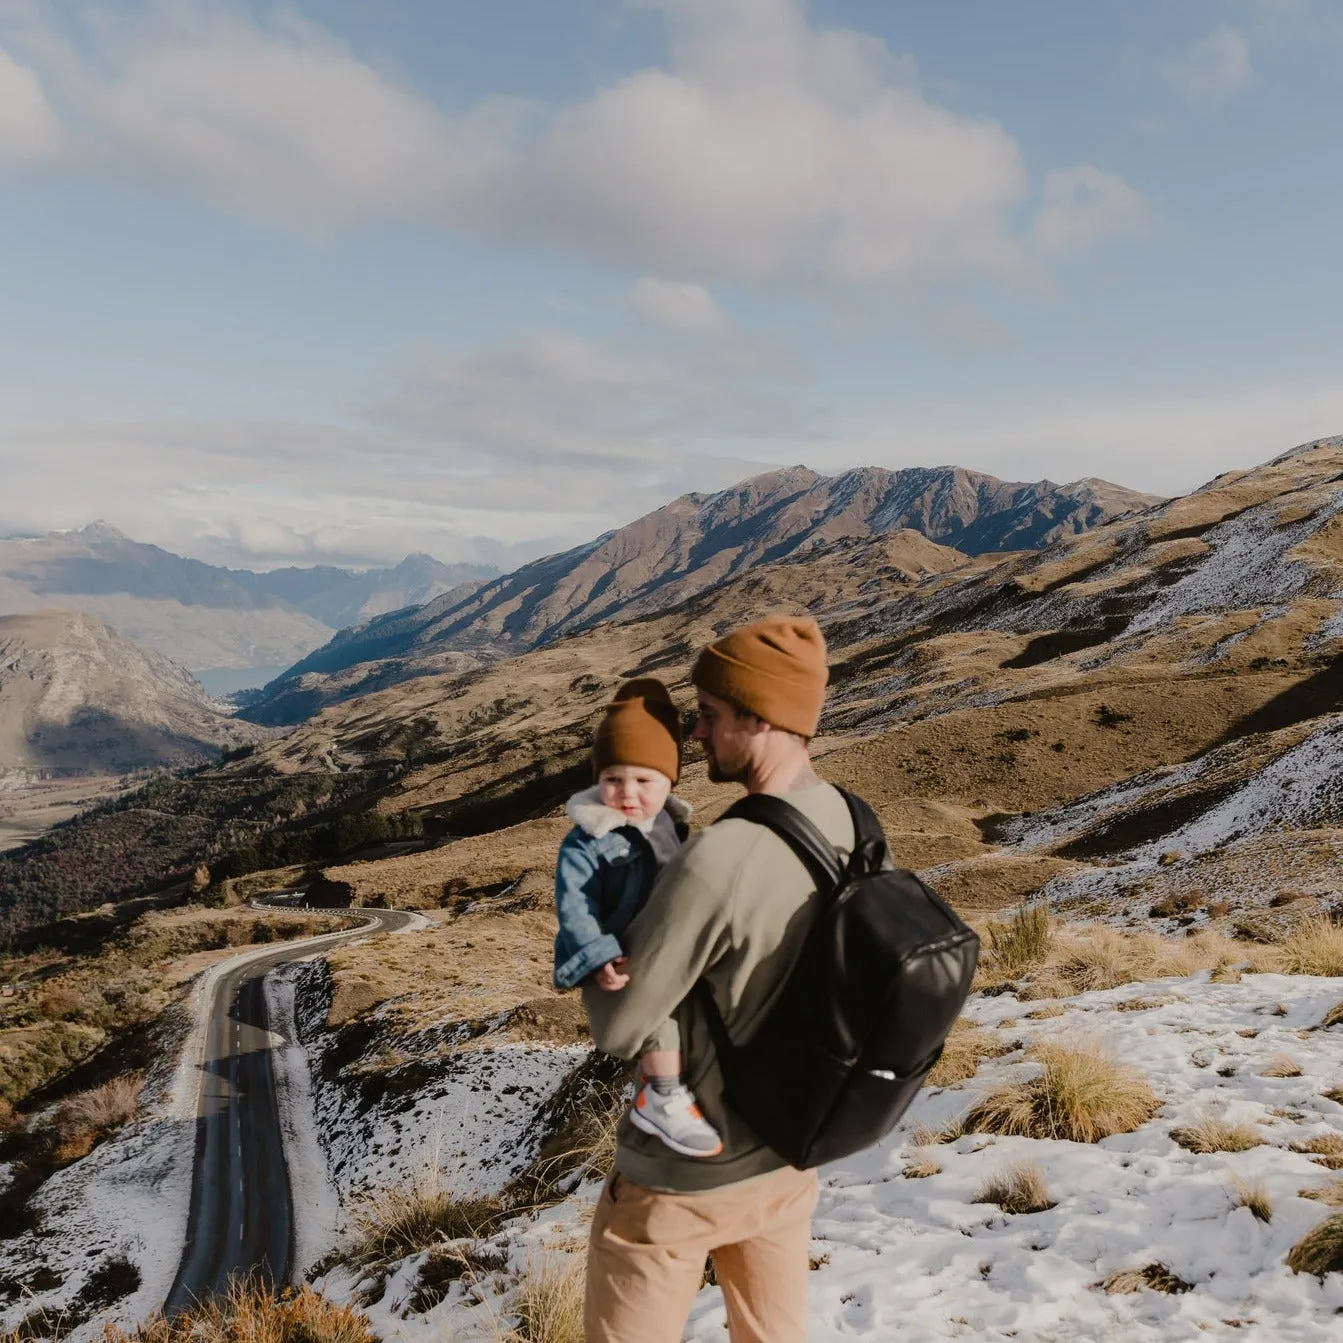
x,y
337,280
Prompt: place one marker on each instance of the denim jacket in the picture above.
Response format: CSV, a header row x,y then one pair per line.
x,y
605,871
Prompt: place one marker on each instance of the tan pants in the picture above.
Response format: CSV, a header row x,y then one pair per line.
x,y
647,1250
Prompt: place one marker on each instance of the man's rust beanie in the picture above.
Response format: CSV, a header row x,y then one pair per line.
x,y
774,669
640,727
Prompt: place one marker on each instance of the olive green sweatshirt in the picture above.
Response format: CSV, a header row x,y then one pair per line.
x,y
734,906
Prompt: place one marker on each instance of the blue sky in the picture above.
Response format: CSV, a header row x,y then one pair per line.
x,y
334,281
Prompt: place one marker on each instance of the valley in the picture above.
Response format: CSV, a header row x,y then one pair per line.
x,y
1117,753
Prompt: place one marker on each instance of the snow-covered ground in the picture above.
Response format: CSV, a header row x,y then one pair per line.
x,y
465,1116
117,1214
921,1259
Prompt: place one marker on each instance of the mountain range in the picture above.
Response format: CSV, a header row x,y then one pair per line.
x,y
203,616
686,547
77,698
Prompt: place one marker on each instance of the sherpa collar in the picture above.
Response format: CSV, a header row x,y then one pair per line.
x,y
588,813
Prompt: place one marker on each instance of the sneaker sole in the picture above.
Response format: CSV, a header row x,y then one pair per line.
x,y
645,1126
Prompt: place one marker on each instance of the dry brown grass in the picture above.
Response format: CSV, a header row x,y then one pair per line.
x,y
920,1167
1313,947
1320,1250
1100,957
253,1314
548,1301
84,1120
1331,1194
1080,1095
1156,1276
1208,1135
1020,943
1282,1066
1017,1189
1252,1196
1327,1149
966,1046
1333,1017
393,1223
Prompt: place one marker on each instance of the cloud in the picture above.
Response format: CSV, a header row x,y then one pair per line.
x,y
765,147
508,451
1162,445
1084,206
1214,68
30,131
677,304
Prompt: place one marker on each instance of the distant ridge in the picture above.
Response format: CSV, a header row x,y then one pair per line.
x,y
202,615
685,547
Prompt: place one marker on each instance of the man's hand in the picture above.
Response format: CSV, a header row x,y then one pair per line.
x,y
612,975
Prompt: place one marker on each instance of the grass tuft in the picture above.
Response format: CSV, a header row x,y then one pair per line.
x,y
1208,1135
1331,1194
966,1046
1327,1149
1017,1189
548,1302
1320,1250
1313,947
921,1166
1080,1095
393,1223
1333,1017
1282,1066
83,1121
1156,1276
1253,1196
1024,941
255,1314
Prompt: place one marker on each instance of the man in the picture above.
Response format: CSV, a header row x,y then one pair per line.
x,y
733,907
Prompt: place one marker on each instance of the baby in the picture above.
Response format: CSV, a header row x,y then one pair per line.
x,y
625,828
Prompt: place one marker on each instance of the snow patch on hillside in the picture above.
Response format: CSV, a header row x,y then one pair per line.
x,y
924,1259
1248,566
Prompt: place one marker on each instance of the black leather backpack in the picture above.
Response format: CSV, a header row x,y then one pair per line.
x,y
863,1016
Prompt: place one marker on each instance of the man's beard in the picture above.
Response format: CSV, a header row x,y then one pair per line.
x,y
718,773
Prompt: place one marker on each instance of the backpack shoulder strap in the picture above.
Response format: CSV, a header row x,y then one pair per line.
x,y
801,835
870,848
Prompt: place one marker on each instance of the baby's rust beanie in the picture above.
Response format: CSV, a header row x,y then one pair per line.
x,y
640,727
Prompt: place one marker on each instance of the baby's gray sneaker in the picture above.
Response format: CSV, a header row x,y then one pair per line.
x,y
676,1119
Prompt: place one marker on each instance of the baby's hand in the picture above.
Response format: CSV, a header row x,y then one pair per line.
x,y
612,976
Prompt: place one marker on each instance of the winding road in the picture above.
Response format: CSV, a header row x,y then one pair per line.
x,y
241,1219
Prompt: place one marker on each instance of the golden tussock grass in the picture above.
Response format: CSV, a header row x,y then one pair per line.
x,y
921,1166
1333,1017
393,1223
84,1120
1331,1194
1313,947
1156,1276
1208,1135
548,1301
255,1314
1320,1250
1252,1196
1282,1066
1020,943
966,1046
1080,1095
1327,1149
1017,1189
1076,960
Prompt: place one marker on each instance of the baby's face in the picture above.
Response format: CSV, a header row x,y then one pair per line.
x,y
635,791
